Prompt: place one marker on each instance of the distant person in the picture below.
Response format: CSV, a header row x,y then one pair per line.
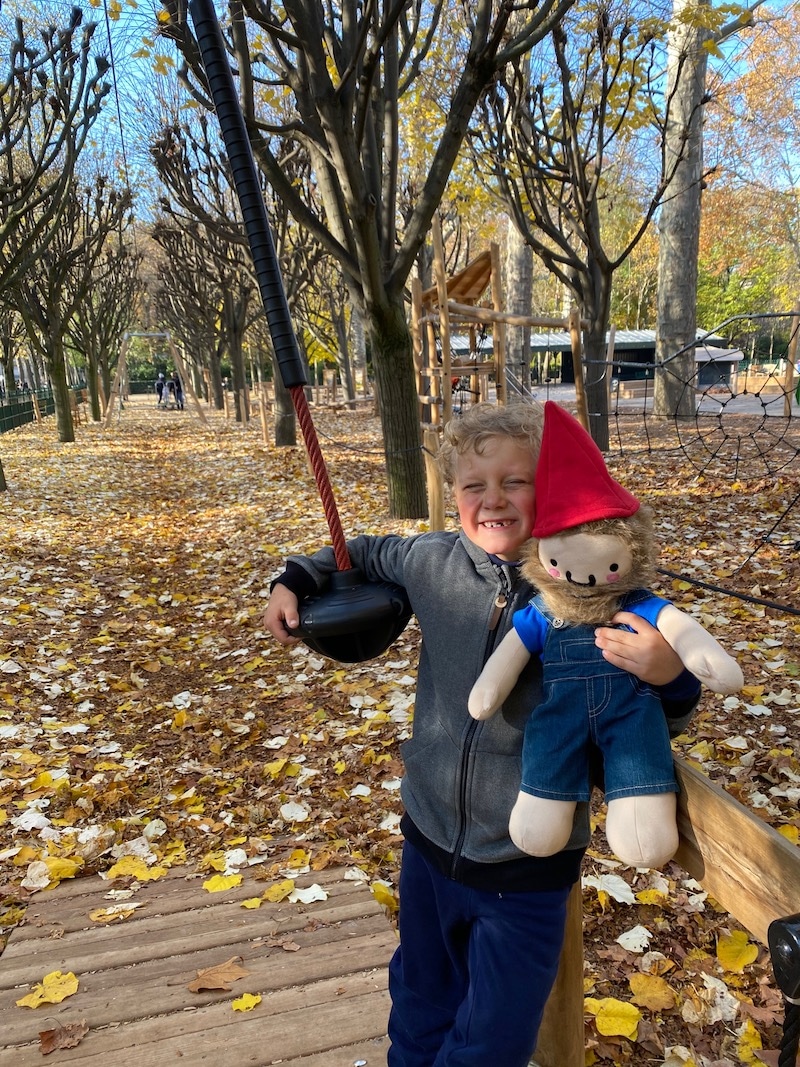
x,y
160,390
176,388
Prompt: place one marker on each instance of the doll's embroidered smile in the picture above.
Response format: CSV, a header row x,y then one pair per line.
x,y
592,580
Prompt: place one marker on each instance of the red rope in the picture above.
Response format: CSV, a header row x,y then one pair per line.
x,y
321,475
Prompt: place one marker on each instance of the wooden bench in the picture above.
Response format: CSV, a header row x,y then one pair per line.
x,y
633,390
749,868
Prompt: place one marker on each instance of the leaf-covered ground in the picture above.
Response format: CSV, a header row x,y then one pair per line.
x,y
144,711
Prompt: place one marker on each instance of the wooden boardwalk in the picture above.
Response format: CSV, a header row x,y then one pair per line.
x,y
320,969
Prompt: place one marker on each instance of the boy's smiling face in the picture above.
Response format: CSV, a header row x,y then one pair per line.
x,y
494,492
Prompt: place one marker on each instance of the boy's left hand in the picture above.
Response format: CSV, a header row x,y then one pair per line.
x,y
643,652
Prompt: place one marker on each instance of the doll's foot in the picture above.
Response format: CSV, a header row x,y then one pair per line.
x,y
539,826
642,831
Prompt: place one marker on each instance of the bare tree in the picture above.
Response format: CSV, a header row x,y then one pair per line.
x,y
556,144
197,176
50,96
344,79
112,286
49,291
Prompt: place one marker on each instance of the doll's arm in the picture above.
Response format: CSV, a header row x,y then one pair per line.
x,y
701,653
498,677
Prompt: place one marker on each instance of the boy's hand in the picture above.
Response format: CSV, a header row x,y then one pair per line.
x,y
644,652
282,615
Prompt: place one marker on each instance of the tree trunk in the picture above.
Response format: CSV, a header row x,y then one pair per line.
x,y
393,362
284,415
343,361
92,379
596,384
57,369
596,308
519,298
679,224
3,483
234,311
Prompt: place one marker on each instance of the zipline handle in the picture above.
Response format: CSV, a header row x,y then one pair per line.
x,y
251,200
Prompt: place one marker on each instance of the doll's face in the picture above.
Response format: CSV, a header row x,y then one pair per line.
x,y
585,560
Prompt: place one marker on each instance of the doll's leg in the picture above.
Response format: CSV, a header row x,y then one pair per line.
x,y
539,826
642,831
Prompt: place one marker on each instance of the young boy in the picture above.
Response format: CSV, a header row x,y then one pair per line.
x,y
481,923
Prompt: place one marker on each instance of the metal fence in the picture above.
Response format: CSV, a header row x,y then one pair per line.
x,y
17,409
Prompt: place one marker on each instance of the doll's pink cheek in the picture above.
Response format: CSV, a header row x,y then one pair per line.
x,y
554,572
613,577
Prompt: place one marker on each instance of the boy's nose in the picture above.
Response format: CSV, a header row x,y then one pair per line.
x,y
494,497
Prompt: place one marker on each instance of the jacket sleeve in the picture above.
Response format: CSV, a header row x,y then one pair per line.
x,y
679,698
378,558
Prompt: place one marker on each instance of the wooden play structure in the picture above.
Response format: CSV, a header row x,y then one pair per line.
x,y
454,304
457,304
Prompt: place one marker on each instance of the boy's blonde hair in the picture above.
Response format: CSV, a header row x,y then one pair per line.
x,y
522,420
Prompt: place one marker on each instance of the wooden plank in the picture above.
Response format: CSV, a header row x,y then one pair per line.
x,y
371,1052
319,968
157,939
129,994
751,869
287,1023
160,902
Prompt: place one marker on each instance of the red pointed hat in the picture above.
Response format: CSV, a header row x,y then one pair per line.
x,y
573,485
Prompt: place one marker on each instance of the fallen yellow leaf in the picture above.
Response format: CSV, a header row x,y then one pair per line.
x,y
220,882
52,989
735,951
652,992
614,1017
246,1002
278,891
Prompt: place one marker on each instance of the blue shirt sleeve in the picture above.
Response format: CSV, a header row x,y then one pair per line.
x,y
684,688
531,626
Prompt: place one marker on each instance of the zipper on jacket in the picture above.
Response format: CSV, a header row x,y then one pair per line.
x,y
501,606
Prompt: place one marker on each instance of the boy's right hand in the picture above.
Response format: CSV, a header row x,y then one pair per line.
x,y
282,615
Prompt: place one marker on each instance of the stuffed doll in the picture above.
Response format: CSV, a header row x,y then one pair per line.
x,y
591,555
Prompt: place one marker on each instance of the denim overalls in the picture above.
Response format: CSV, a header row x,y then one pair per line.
x,y
588,701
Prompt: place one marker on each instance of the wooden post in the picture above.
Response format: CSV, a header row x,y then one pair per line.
x,y
118,377
612,330
430,444
186,382
262,407
37,411
444,321
577,366
791,358
561,1041
416,339
498,328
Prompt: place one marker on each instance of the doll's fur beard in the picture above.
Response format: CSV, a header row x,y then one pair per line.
x,y
579,604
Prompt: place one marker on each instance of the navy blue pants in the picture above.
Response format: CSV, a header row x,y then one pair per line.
x,y
473,970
